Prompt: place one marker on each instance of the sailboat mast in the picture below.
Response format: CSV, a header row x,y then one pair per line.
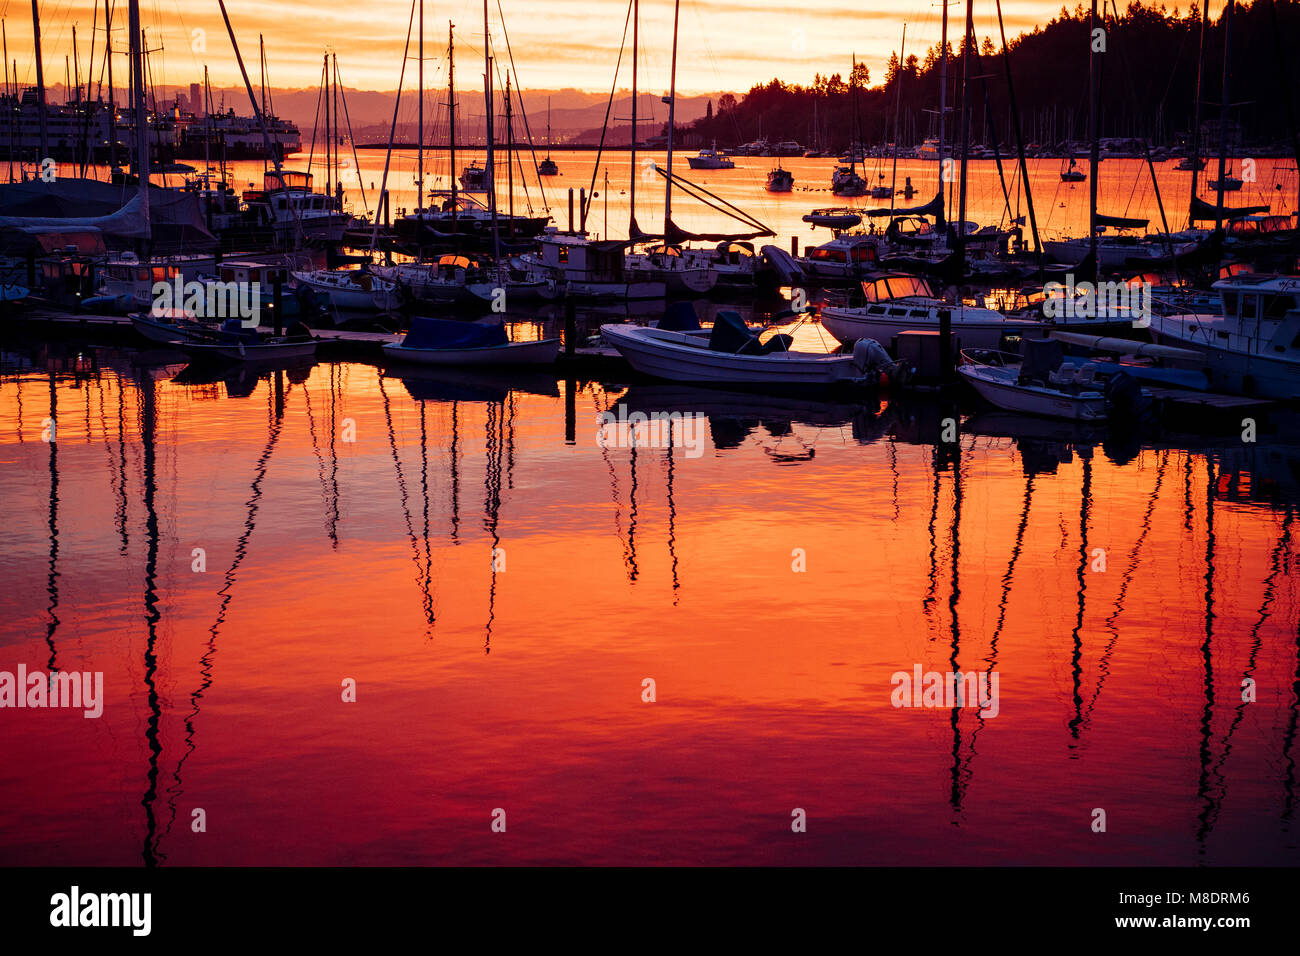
x,y
968,47
329,170
1196,116
451,111
672,114
1223,111
40,81
632,176
898,109
510,159
420,134
943,90
491,153
1093,134
141,120
112,98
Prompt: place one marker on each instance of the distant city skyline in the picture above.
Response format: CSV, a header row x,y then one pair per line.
x,y
724,45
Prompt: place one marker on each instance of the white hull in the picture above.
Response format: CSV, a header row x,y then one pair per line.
x,y
542,352
681,357
352,299
849,325
618,291
998,387
274,351
1231,370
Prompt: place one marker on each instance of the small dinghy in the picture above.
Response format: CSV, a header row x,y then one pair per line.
x,y
234,343
732,353
834,218
433,341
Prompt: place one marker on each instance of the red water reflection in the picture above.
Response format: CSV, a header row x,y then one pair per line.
x,y
521,689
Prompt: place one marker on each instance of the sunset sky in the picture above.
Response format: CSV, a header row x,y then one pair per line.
x,y
724,44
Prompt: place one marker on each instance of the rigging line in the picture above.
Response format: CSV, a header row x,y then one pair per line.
x,y
692,189
604,130
519,93
206,661
392,130
356,163
405,497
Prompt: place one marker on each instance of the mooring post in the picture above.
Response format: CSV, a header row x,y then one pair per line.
x,y
277,297
570,209
570,412
794,245
582,209
570,327
945,346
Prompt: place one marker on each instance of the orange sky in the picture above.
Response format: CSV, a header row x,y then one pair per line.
x,y
724,44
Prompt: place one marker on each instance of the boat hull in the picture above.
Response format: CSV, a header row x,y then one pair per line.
x,y
268,352
997,386
659,354
541,352
849,326
1240,373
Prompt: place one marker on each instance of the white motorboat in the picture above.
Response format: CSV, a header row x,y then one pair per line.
x,y
895,303
352,289
845,181
1252,346
846,258
732,353
1003,379
710,159
781,180
233,343
448,342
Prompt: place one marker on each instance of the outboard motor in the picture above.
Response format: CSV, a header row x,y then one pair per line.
x,y
870,356
1129,405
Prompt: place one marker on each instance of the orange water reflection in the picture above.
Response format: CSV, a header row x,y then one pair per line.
x,y
371,559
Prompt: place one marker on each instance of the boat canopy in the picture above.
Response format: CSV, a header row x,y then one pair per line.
x,y
1203,211
1121,222
1040,358
895,286
429,333
933,208
271,180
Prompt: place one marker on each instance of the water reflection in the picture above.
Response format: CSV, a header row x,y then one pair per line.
x,y
976,550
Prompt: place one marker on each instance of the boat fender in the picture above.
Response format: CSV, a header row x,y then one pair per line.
x,y
869,355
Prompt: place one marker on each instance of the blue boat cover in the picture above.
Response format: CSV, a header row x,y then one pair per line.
x,y
428,333
680,317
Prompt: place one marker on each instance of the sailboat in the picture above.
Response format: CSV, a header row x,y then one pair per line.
x,y
1072,173
547,166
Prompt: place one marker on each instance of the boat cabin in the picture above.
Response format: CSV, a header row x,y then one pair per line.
x,y
576,257
1261,315
259,272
